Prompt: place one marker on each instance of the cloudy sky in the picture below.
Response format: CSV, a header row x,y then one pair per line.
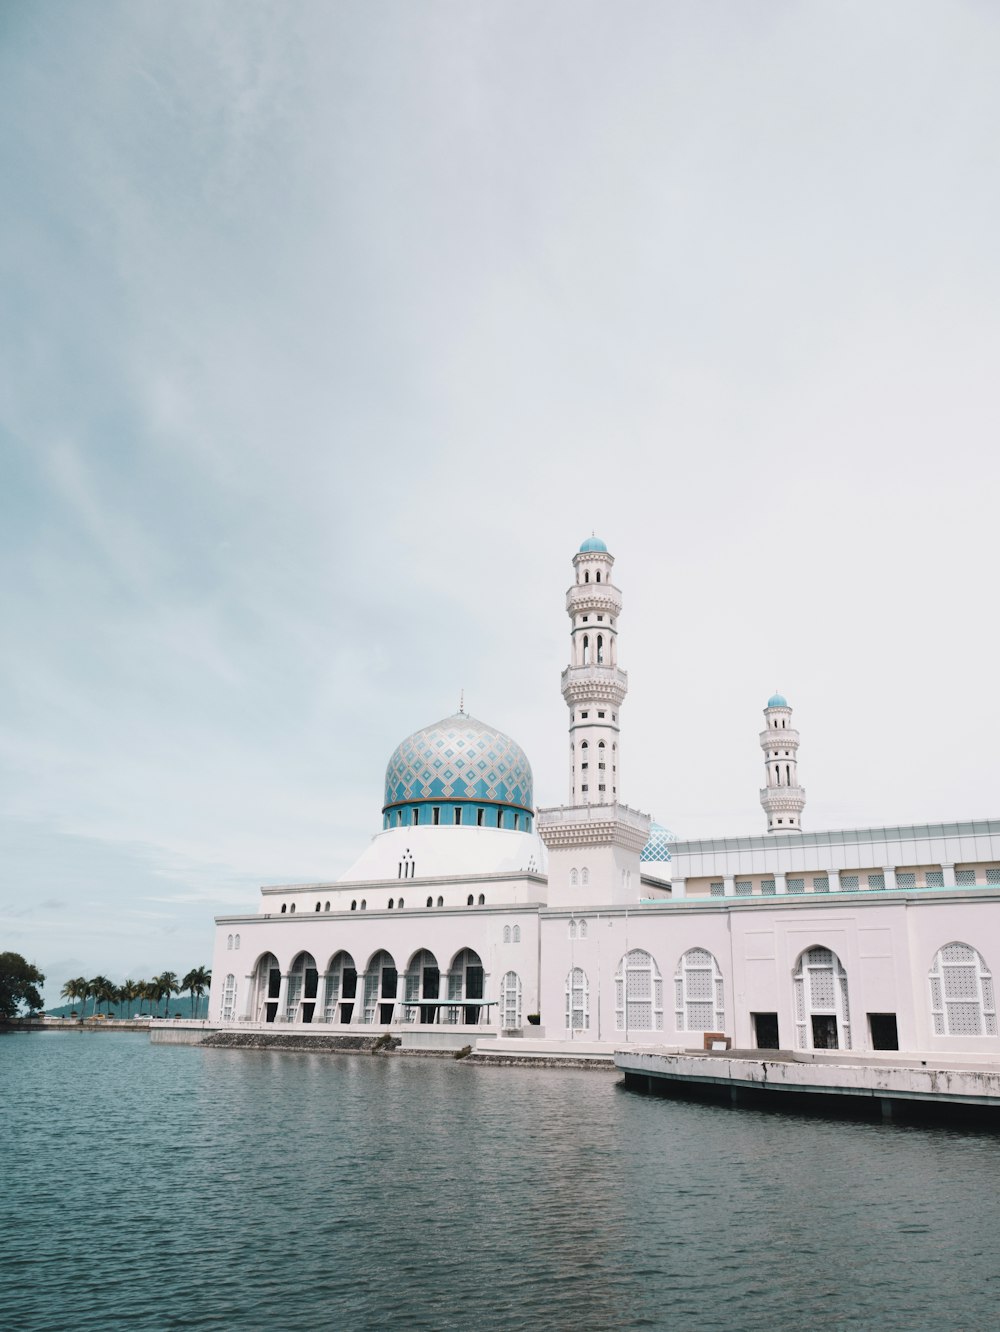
x,y
329,330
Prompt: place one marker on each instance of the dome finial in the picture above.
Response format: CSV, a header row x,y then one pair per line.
x,y
461,702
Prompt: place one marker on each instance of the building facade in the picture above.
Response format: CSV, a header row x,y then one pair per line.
x,y
472,912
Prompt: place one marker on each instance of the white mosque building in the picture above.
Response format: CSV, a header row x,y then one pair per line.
x,y
473,914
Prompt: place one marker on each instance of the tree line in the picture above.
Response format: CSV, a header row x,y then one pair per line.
x,y
159,990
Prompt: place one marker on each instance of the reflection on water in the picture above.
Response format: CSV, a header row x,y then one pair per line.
x,y
177,1187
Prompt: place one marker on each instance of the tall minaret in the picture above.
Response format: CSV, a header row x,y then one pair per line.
x,y
593,842
782,797
592,684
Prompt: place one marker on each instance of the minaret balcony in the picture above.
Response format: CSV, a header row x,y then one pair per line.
x,y
599,598
779,740
584,683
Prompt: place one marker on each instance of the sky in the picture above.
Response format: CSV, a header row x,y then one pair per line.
x,y
328,331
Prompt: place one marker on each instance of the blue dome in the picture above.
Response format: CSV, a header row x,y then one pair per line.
x,y
777,701
463,761
593,543
657,848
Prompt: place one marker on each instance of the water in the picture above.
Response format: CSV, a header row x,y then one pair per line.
x,y
174,1187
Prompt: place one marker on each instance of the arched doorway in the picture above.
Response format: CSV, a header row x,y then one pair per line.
x,y
422,982
267,988
303,978
381,982
822,1012
341,988
466,980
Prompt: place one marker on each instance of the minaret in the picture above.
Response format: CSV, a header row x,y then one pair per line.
x,y
592,684
593,842
782,797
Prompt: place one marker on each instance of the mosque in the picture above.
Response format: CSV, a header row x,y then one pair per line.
x,y
473,914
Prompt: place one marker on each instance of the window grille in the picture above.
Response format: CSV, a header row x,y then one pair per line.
x,y
510,1000
229,999
236,944
849,883
698,992
795,885
506,934
876,882
907,880
517,934
638,992
821,883
577,1000
965,877
293,997
717,889
744,887
962,1000
371,996
934,878
767,888
993,875
572,929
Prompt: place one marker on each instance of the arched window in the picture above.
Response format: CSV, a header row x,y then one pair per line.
x,y
364,905
236,945
585,876
284,907
229,999
506,934
341,989
574,878
470,901
291,909
391,903
822,1012
381,982
598,575
572,929
326,906
229,941
600,646
354,905
517,934
962,999
399,904
466,980
577,1000
600,754
440,901
482,899
422,982
303,980
583,929
638,992
586,650
318,906
430,901
699,1001
415,813
267,982
510,1001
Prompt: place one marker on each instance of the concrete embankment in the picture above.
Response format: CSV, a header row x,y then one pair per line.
x,y
831,1083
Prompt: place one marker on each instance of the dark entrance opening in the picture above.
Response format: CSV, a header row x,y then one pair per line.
x,y
883,1029
273,989
824,1027
346,1012
765,1030
474,985
432,990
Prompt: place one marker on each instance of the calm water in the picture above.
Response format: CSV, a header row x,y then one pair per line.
x,y
164,1187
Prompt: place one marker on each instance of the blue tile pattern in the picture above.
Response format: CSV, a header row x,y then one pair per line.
x,y
657,848
459,759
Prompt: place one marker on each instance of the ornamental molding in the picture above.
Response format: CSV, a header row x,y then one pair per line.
x,y
593,596
786,738
593,825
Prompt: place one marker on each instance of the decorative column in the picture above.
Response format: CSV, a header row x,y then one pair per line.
x,y
782,798
282,998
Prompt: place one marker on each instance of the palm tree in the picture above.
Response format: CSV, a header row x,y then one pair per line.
x,y
167,984
129,992
196,982
103,992
75,990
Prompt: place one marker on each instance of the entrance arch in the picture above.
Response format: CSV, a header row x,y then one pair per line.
x,y
267,988
466,980
303,978
341,988
822,1011
381,982
422,982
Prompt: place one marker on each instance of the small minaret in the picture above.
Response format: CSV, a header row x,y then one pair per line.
x,y
592,684
595,841
782,798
